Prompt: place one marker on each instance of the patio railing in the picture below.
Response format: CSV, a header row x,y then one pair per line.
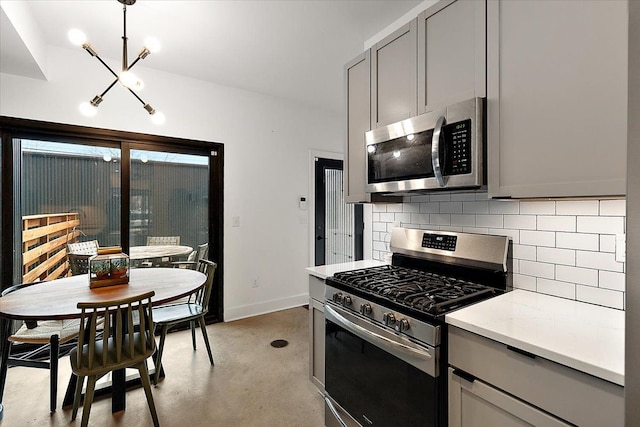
x,y
44,243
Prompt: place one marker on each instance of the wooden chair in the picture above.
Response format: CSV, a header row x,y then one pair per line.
x,y
48,337
191,311
163,240
127,341
192,261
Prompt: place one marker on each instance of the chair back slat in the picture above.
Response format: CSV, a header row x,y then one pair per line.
x,y
118,341
202,296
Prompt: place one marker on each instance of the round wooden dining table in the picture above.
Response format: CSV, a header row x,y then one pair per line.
x,y
58,299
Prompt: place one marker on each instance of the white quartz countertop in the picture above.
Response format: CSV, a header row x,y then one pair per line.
x,y
324,271
585,337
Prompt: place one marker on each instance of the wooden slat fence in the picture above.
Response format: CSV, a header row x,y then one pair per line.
x,y
44,244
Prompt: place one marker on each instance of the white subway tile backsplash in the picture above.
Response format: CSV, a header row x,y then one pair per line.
x,y
598,260
611,280
601,224
613,207
538,238
524,282
492,221
607,243
564,248
387,217
589,242
538,269
605,297
429,207
451,207
577,207
537,208
420,218
556,288
504,207
584,276
394,207
477,207
411,207
556,223
463,220
525,252
557,256
464,197
440,219
440,197
520,222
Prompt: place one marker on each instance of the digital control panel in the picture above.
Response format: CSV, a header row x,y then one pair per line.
x,y
458,152
439,241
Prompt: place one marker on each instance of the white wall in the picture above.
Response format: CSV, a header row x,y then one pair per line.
x,y
267,142
565,248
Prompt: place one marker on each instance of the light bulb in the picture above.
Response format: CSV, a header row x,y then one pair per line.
x,y
410,137
77,37
106,157
130,80
158,118
396,154
88,110
371,149
153,44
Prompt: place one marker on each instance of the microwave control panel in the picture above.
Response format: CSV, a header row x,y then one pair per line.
x,y
458,152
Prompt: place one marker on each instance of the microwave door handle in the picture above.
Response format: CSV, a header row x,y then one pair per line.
x,y
435,151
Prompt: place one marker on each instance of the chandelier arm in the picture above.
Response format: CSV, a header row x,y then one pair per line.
x,y
108,68
136,95
109,88
133,63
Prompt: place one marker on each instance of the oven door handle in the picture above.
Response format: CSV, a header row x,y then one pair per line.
x,y
435,151
374,337
334,411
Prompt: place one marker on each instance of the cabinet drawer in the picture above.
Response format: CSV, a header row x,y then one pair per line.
x,y
574,396
316,288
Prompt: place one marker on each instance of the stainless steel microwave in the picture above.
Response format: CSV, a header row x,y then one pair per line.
x,y
442,149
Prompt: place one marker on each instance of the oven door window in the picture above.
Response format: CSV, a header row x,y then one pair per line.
x,y
400,159
375,387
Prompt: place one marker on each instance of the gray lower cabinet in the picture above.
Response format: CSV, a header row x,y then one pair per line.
x,y
316,332
394,77
493,384
451,53
557,98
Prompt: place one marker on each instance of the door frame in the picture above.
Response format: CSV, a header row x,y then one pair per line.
x,y
366,208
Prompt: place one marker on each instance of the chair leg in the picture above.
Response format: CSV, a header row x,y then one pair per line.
x,y
144,377
192,324
88,399
206,337
54,351
76,396
163,336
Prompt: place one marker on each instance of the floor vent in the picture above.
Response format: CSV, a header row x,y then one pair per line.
x,y
279,343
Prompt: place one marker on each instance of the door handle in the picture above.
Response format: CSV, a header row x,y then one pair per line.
x,y
435,151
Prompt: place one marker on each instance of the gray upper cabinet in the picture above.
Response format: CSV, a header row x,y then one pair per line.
x,y
557,98
451,53
358,86
394,77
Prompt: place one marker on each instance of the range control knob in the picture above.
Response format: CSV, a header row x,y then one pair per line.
x,y
365,309
389,319
346,300
402,325
337,297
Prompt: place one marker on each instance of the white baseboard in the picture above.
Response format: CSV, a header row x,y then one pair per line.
x,y
244,311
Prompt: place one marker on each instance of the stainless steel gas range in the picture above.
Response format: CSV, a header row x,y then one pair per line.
x,y
385,336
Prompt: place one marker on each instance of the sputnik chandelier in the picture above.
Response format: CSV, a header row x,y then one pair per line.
x,y
129,80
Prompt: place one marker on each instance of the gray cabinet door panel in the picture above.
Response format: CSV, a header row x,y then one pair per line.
x,y
451,53
394,77
557,95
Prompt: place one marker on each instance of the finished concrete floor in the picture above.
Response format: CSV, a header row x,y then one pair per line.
x,y
251,385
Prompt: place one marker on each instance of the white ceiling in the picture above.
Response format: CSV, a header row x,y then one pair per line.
x,y
293,49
